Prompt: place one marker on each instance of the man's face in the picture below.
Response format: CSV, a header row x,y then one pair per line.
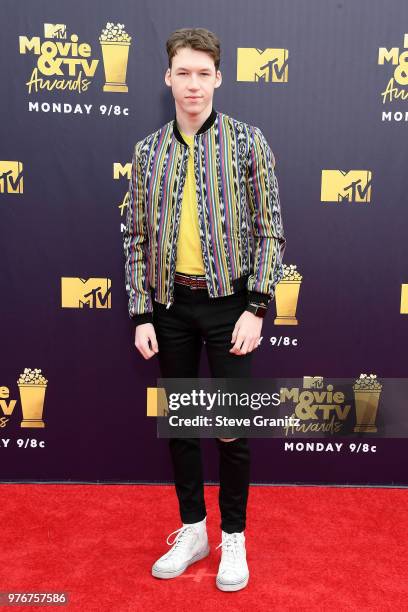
x,y
192,79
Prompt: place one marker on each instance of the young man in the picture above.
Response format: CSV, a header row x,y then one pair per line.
x,y
204,244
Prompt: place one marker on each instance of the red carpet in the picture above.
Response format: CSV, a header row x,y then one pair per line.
x,y
308,548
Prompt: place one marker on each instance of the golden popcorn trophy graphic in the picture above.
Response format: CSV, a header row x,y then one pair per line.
x,y
286,296
115,43
367,391
32,386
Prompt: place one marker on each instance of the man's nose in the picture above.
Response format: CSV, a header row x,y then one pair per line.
x,y
193,82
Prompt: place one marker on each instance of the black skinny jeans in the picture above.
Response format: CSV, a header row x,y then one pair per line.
x,y
180,331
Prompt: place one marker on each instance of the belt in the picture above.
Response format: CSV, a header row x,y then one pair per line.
x,y
190,280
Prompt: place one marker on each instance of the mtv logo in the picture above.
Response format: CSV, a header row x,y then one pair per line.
x,y
270,65
404,299
55,30
11,177
85,293
351,186
312,382
157,402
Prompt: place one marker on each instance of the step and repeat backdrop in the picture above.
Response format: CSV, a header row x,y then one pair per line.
x,y
81,82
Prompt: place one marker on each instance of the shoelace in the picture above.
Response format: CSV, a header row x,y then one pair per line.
x,y
179,539
230,548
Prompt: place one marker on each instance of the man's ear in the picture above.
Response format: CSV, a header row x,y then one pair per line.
x,y
219,79
167,77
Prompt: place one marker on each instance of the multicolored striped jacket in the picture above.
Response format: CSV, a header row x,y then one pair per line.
x,y
240,220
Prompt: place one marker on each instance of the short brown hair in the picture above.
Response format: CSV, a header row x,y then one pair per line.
x,y
199,39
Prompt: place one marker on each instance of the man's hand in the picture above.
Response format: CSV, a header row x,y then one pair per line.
x,y
143,334
246,334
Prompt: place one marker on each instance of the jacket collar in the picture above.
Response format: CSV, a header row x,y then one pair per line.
x,y
209,122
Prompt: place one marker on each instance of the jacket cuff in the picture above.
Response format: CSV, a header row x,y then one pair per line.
x,y
258,298
145,317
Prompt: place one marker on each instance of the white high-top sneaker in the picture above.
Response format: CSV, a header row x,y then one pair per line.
x,y
233,573
189,546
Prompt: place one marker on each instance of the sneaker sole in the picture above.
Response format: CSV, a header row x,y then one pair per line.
x,y
173,574
232,586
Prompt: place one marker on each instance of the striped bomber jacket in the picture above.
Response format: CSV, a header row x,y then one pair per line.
x,y
240,222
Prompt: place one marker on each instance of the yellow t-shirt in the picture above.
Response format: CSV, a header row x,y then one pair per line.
x,y
189,254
